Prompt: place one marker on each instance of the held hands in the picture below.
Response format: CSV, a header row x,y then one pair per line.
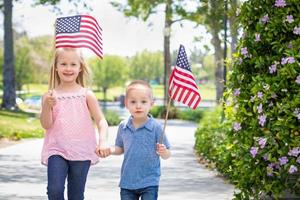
x,y
102,151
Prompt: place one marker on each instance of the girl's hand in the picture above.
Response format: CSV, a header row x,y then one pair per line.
x,y
49,99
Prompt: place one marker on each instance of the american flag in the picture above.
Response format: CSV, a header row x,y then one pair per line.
x,y
79,31
182,84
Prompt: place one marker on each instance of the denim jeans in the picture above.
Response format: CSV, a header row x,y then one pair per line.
x,y
75,171
147,193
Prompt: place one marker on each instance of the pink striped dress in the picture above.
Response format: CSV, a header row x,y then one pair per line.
x,y
72,134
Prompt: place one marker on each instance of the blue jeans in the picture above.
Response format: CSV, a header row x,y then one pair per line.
x,y
58,170
147,193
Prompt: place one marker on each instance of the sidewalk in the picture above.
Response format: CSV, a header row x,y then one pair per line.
x,y
23,177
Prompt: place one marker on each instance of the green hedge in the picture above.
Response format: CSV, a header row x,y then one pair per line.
x,y
260,146
177,113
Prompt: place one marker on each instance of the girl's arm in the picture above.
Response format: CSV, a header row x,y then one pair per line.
x,y
48,101
100,121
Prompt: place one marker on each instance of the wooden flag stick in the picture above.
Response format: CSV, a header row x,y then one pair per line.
x,y
165,124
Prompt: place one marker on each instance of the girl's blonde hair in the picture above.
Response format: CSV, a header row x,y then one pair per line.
x,y
82,77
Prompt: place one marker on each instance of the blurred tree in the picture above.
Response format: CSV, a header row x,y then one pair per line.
x,y
109,72
211,14
147,66
9,88
143,9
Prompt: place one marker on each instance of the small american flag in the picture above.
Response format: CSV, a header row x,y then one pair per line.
x,y
79,31
182,84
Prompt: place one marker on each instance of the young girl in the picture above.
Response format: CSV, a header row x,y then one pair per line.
x,y
70,145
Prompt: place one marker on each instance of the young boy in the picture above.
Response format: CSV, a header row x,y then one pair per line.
x,y
138,138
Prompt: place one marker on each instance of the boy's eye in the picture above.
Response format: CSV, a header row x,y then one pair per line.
x,y
144,102
132,101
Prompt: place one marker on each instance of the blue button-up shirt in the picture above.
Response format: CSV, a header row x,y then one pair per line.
x,y
141,164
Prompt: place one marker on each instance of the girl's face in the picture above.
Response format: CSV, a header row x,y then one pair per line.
x,y
68,66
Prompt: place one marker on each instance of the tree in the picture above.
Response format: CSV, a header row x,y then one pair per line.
x,y
147,66
143,9
108,72
9,91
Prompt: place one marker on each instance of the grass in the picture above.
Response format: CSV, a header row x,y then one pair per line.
x,y
17,125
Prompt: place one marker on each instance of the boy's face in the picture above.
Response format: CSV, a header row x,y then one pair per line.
x,y
139,101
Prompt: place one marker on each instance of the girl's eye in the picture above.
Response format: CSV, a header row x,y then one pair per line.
x,y
132,101
144,102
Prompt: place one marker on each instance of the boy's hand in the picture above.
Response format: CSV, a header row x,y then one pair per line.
x,y
161,149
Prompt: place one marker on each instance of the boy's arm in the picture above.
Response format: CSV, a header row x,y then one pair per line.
x,y
116,150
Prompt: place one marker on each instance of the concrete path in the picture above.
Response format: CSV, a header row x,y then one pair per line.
x,y
23,177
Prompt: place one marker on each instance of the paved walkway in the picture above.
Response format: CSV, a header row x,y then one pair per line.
x,y
23,177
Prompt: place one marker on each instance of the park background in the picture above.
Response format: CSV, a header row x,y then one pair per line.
x,y
244,55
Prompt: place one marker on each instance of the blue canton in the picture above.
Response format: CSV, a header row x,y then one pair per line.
x,y
68,24
182,60
141,164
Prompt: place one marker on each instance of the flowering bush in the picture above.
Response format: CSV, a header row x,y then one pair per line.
x,y
263,99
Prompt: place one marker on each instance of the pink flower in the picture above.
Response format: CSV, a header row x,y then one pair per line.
x,y
260,95
244,51
293,169
262,119
294,152
236,126
280,3
262,142
237,92
298,79
265,19
257,37
283,160
260,108
289,18
296,30
272,69
253,151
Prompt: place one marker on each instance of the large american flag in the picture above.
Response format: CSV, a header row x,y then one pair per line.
x,y
182,84
79,31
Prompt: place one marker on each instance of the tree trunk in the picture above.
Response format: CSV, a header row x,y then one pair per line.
x,y
9,93
233,26
167,55
219,64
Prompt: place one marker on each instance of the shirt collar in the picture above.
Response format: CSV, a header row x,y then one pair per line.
x,y
148,124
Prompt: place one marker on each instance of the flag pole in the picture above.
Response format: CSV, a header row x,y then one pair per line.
x,y
165,124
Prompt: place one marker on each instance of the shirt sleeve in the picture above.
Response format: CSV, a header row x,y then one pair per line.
x,y
119,141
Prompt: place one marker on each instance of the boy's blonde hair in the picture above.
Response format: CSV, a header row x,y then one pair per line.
x,y
82,76
134,84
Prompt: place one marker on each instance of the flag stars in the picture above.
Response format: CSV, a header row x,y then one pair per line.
x,y
68,24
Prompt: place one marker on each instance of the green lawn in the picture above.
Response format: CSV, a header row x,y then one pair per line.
x,y
16,125
207,91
